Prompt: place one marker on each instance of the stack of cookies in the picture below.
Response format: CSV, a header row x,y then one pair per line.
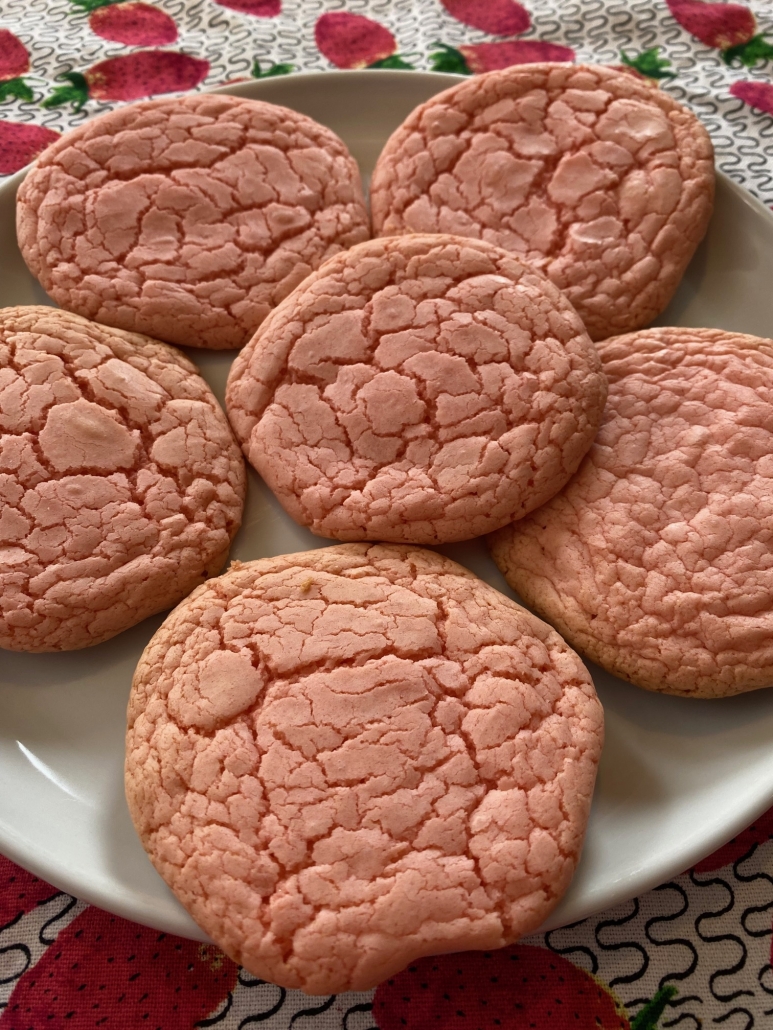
x,y
345,759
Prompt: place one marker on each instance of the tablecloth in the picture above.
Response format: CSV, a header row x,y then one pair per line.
x,y
693,953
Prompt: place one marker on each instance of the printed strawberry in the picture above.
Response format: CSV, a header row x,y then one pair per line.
x,y
758,94
499,17
20,891
729,28
20,143
258,8
520,986
131,77
648,64
14,62
103,971
488,57
131,22
761,830
354,41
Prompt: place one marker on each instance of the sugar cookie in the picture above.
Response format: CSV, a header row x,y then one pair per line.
x,y
188,219
344,759
656,561
421,389
597,178
121,485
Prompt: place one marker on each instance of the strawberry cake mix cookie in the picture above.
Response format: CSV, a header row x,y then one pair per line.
x,y
345,759
121,485
421,389
656,561
594,176
188,219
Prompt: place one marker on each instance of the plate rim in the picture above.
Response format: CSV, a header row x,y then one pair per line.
x,y
136,908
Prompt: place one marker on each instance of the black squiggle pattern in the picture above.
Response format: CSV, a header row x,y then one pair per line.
x,y
24,951
68,906
754,910
624,978
261,1017
683,1017
676,975
722,938
362,1007
572,949
734,1012
314,1011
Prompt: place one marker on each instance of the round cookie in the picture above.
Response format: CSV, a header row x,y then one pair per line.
x,y
656,561
121,485
421,389
344,759
189,218
592,175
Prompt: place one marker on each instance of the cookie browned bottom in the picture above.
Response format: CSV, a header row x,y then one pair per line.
x,y
656,561
344,759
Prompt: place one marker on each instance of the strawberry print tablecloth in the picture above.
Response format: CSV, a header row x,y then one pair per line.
x,y
695,952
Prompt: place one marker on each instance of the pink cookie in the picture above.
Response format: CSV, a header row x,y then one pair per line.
x,y
421,389
121,486
656,561
592,175
345,759
188,219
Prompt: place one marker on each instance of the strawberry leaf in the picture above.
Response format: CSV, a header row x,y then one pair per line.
x,y
748,54
647,1018
93,5
393,61
448,59
275,69
649,64
77,93
16,88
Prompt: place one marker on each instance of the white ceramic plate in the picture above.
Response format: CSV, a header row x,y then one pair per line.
x,y
677,777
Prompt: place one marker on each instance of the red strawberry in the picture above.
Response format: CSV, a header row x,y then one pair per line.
x,y
489,57
354,41
758,94
499,17
259,8
727,27
520,986
761,830
20,143
20,891
14,62
14,59
103,971
131,77
132,23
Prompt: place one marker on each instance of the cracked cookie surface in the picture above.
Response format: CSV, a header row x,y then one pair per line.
x,y
121,485
656,561
596,178
420,389
344,759
188,219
